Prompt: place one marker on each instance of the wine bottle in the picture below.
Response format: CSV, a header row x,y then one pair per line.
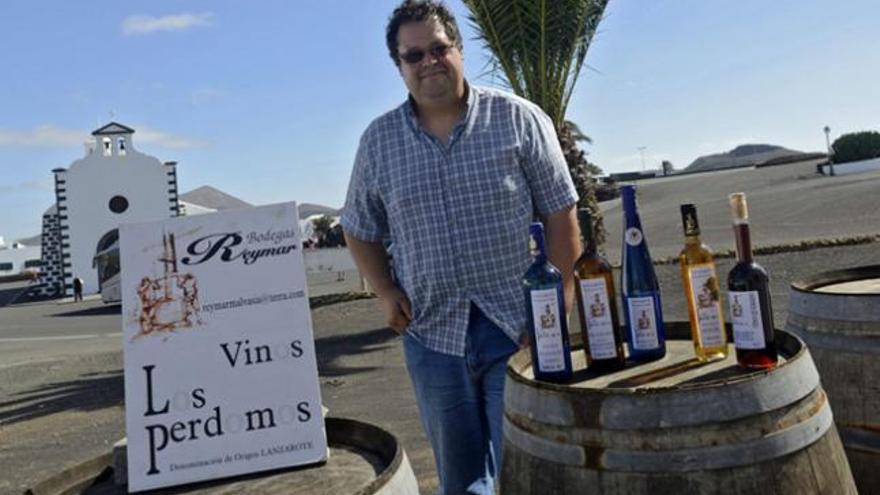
x,y
702,292
594,285
545,313
641,291
749,297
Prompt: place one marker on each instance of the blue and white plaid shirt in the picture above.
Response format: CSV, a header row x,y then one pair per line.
x,y
458,214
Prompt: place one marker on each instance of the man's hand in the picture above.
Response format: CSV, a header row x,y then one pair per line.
x,y
395,305
372,261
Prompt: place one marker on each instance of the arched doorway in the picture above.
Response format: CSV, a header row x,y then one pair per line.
x,y
106,259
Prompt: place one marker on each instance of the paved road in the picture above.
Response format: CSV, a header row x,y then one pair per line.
x,y
787,203
62,402
61,389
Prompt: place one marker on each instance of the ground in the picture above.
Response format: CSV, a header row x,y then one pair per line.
x,y
61,387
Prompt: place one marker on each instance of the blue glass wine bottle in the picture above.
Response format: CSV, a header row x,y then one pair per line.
x,y
641,291
545,313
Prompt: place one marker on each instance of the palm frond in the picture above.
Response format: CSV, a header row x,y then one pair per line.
x,y
538,45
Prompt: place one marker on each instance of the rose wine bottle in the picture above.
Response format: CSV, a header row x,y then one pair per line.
x,y
545,313
702,292
594,285
749,297
641,291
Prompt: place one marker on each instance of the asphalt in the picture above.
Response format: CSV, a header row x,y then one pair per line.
x,y
61,392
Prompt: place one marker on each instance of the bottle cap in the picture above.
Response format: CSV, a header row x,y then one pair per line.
x,y
689,220
739,208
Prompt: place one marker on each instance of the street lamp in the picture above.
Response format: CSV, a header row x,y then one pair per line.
x,y
642,155
830,151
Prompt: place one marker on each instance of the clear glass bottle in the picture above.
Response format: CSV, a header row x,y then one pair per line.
x,y
702,291
749,296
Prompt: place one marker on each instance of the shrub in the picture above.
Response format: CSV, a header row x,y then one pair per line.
x,y
856,146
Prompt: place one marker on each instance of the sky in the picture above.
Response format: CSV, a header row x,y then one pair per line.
x,y
266,100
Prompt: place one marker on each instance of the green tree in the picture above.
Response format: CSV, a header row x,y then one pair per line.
x,y
539,46
856,146
322,226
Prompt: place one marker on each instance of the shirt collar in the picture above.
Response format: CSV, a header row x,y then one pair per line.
x,y
411,110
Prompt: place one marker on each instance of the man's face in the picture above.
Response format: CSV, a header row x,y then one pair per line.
x,y
434,78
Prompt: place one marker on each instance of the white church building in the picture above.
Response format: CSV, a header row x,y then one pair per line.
x,y
113,184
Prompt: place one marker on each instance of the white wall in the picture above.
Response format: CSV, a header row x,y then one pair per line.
x,y
91,182
17,257
853,167
328,260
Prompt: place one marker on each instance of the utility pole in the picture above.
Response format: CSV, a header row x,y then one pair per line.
x,y
830,151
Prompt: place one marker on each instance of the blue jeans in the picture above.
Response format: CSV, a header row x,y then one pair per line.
x,y
461,402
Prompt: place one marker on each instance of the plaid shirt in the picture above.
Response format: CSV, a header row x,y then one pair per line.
x,y
458,214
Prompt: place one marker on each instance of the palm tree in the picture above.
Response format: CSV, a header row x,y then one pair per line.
x,y
540,46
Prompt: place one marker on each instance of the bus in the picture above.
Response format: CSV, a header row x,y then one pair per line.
x,y
106,262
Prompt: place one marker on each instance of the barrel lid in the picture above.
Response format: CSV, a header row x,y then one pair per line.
x,y
675,391
863,281
680,369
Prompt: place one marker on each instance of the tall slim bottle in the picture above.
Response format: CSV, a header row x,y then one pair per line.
x,y
594,285
545,313
641,291
702,292
749,296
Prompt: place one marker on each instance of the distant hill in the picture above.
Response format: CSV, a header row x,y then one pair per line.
x,y
213,198
308,209
746,155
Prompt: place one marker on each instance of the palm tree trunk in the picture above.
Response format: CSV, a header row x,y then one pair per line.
x,y
583,181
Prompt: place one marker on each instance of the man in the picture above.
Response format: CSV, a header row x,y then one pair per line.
x,y
452,178
77,289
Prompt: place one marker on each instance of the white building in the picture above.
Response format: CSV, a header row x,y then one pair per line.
x,y
112,184
18,258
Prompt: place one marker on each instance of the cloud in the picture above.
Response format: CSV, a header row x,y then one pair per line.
x,y
206,95
166,140
46,184
46,135
53,136
147,24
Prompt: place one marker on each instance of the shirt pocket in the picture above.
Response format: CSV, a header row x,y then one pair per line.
x,y
498,179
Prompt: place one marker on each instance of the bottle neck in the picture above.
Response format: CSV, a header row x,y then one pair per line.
x,y
631,212
536,246
743,242
587,239
692,240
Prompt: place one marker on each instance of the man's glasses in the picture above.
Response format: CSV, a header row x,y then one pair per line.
x,y
413,57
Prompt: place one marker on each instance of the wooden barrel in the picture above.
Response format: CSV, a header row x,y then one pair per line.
x,y
838,315
364,459
673,426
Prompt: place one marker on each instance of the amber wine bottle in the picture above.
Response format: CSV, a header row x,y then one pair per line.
x,y
701,291
594,285
749,297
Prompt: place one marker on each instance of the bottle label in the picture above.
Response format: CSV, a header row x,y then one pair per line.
x,y
642,322
633,236
597,316
705,296
745,314
548,330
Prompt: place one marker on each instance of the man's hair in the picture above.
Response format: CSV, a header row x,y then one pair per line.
x,y
420,11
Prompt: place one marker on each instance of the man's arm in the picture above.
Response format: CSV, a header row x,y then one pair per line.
x,y
563,247
372,261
